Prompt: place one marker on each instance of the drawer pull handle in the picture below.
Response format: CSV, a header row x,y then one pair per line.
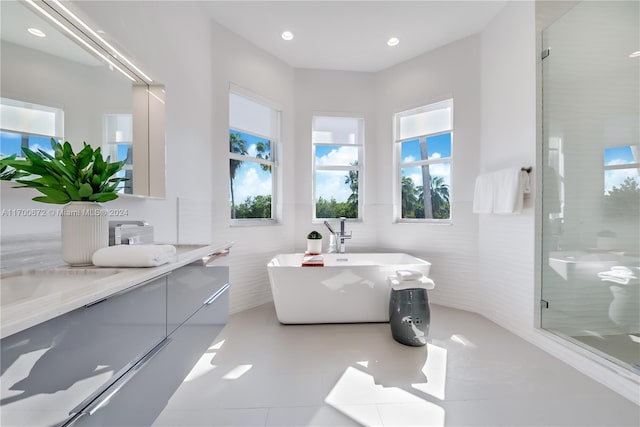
x,y
215,296
103,396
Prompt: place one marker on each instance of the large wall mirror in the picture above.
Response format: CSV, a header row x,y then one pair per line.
x,y
60,80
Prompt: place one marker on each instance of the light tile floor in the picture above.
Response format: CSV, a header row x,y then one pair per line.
x,y
261,373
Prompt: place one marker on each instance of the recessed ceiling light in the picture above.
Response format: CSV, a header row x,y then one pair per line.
x,y
287,35
36,32
393,41
635,54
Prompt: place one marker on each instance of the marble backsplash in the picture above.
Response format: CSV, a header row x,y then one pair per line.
x,y
42,250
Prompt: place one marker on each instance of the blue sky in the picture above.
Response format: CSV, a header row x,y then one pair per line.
x,y
438,147
10,143
331,184
250,179
619,156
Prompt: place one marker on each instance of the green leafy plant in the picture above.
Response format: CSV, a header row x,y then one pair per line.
x,y
66,176
314,235
7,172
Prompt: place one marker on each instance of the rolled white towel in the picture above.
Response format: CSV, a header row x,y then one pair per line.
x,y
408,274
618,274
134,255
422,283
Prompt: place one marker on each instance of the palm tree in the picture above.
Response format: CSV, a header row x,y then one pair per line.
x,y
264,152
409,198
440,197
352,201
426,178
237,145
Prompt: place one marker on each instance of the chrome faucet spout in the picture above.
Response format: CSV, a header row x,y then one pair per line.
x,y
326,223
338,236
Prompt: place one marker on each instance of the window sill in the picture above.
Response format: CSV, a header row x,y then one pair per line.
x,y
253,222
436,222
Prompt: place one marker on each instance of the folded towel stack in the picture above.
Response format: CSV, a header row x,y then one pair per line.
x,y
618,274
410,279
313,261
134,255
421,283
405,275
501,192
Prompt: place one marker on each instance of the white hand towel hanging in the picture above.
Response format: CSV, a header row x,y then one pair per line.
x,y
483,194
508,190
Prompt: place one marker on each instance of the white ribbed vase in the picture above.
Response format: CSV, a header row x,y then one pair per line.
x,y
85,229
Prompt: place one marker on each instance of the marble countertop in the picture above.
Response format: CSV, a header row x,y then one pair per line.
x,y
34,292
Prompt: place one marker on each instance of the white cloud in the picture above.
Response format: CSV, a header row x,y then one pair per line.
x,y
252,150
409,159
249,183
435,155
615,177
617,162
438,169
342,156
330,184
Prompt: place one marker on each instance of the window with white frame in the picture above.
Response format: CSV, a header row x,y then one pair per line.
x,y
621,181
24,124
423,149
118,145
337,166
254,132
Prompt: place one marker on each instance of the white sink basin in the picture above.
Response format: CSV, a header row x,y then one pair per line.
x,y
36,283
586,265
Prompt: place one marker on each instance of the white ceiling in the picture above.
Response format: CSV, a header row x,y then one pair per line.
x,y
352,35
17,17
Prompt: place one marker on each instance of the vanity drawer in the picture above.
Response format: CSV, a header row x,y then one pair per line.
x,y
189,287
141,399
48,369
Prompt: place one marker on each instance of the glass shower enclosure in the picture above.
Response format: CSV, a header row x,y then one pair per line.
x,y
591,183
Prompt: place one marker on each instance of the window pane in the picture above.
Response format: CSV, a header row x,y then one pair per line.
x,y
118,128
250,189
23,117
124,151
620,180
414,179
336,194
12,143
336,155
252,116
342,130
410,151
249,145
620,155
437,118
439,146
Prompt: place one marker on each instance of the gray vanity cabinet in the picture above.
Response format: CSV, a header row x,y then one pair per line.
x,y
201,316
49,369
189,287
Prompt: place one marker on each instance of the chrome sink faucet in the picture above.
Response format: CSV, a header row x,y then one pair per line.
x,y
339,237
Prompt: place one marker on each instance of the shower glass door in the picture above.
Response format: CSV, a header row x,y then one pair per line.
x,y
591,184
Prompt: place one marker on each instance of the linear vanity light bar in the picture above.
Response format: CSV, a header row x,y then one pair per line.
x,y
78,38
103,41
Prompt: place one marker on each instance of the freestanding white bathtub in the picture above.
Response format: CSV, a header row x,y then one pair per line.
x,y
350,288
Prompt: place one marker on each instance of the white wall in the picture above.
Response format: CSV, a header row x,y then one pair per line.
x,y
506,242
451,71
319,92
166,54
33,76
243,64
